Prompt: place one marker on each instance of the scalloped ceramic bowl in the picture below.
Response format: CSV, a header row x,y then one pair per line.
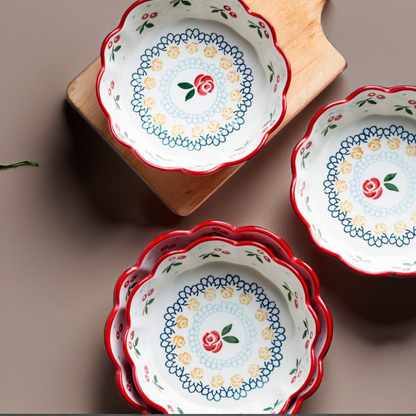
x,y
221,327
354,182
180,239
193,85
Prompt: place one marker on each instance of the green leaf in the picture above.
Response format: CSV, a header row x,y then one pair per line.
x,y
190,95
259,259
306,155
252,23
253,26
226,330
117,48
141,29
372,101
391,187
361,103
180,410
149,25
399,108
15,165
176,4
216,11
277,402
267,409
136,342
289,296
270,67
297,362
333,126
215,255
260,33
304,334
231,340
186,3
408,111
390,177
293,371
155,378
151,301
113,56
176,264
118,98
271,77
224,15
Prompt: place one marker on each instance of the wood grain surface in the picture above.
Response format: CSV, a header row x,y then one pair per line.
x,y
315,64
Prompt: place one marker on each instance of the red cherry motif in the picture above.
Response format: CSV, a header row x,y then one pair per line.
x,y
260,251
372,94
150,293
112,85
311,335
217,249
307,345
233,15
120,328
275,88
128,379
304,185
109,92
338,117
146,378
299,374
153,15
126,284
128,387
132,335
110,45
331,119
164,248
116,39
309,144
181,257
266,33
226,252
204,84
144,297
412,102
296,293
228,8
117,127
170,408
172,258
145,16
118,335
133,278
262,25
312,381
267,259
381,97
130,345
146,370
296,303
293,379
278,79
302,151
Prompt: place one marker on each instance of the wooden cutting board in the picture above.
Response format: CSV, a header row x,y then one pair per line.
x,y
315,64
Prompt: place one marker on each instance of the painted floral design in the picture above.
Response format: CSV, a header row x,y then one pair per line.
x,y
272,408
237,380
261,315
406,108
372,187
210,294
114,48
295,371
193,304
217,381
185,358
213,341
178,341
203,84
176,3
331,124
245,298
146,298
374,145
182,321
267,334
254,370
197,373
345,167
291,295
260,27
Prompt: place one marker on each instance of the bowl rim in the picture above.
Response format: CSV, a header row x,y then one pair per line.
x,y
197,242
296,150
223,165
235,230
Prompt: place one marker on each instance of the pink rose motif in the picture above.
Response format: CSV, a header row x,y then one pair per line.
x,y
204,84
372,188
212,341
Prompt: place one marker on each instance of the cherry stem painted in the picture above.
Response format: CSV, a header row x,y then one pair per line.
x,y
15,165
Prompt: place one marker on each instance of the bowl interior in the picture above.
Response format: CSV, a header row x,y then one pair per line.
x,y
356,181
192,84
221,328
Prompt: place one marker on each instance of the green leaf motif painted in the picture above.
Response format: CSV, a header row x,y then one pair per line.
x,y
185,85
205,256
387,182
226,330
390,177
251,254
15,165
289,291
180,411
231,340
169,268
136,350
391,187
190,95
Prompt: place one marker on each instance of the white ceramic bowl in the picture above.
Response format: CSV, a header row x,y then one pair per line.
x,y
193,85
180,239
221,327
354,182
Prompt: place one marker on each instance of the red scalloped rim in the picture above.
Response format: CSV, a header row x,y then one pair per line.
x,y
235,230
225,164
235,244
294,173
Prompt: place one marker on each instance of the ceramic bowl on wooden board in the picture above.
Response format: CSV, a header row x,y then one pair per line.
x,y
221,327
193,85
116,322
354,180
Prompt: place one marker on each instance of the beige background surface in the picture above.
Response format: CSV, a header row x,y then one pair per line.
x,y
70,227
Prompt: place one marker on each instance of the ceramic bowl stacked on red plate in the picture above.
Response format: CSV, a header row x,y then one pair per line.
x,y
291,309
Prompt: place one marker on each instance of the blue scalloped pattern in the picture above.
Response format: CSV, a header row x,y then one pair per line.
x,y
169,331
334,200
210,139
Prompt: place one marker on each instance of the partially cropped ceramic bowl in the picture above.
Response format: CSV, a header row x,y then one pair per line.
x,y
193,86
180,239
221,327
354,180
